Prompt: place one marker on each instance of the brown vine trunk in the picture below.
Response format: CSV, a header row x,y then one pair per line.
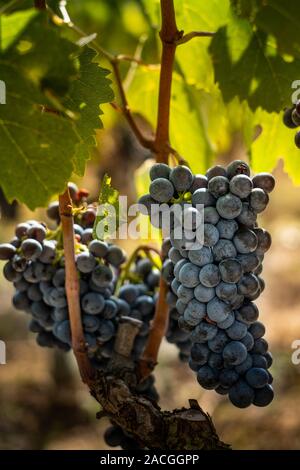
x,y
152,428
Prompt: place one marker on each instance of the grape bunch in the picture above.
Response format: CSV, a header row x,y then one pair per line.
x,y
35,266
213,285
291,119
109,290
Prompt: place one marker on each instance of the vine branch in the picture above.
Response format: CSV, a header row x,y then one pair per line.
x,y
169,34
194,34
72,289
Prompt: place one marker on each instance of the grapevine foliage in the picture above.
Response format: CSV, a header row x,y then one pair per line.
x,y
52,110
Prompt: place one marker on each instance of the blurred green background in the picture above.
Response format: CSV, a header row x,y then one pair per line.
x,y
43,403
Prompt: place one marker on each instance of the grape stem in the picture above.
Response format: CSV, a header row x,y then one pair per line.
x,y
125,271
72,289
194,34
169,36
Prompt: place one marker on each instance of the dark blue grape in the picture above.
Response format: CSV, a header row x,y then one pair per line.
x,y
217,310
237,167
62,331
257,377
211,235
159,170
199,354
214,171
161,190
98,248
203,196
228,377
195,312
7,251
229,206
85,262
218,343
93,303
211,215
247,217
258,200
10,273
248,284
241,394
59,278
201,257
110,309
182,178
204,332
210,275
218,186
102,275
226,292
185,294
230,270
227,228
199,181
224,249
264,181
237,330
31,249
204,294
245,365
241,186
234,353
90,323
189,275
34,293
207,378
21,301
263,396
106,331
145,305
115,256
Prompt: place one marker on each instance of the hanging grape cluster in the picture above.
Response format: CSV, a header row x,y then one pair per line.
x,y
213,317
110,289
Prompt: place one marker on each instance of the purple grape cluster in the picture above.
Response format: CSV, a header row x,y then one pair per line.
x,y
35,266
213,285
291,119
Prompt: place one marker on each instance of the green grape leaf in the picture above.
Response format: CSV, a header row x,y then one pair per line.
x,y
275,142
52,110
108,213
13,25
248,65
36,148
91,89
274,17
188,131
